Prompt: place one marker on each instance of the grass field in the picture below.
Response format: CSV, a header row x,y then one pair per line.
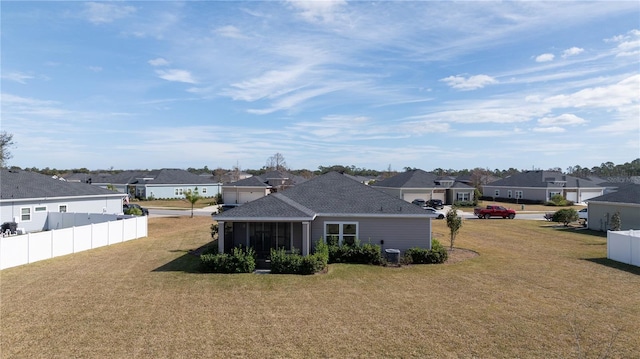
x,y
176,203
534,291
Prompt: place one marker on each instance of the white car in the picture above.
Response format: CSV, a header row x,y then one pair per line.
x,y
583,214
435,212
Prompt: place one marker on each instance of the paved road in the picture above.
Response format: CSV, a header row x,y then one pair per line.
x,y
158,212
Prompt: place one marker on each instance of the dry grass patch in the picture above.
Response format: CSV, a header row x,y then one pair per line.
x,y
532,292
176,203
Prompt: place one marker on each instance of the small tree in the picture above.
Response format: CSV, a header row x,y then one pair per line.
x,y
192,197
616,223
454,222
565,216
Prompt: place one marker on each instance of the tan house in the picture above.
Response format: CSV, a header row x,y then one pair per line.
x,y
625,200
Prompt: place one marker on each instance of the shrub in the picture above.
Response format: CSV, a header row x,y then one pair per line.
x,y
558,201
565,216
437,254
616,222
355,253
283,263
238,261
465,203
133,211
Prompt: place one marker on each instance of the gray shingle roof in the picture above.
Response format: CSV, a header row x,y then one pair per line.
x,y
626,193
248,182
19,184
175,176
410,179
329,194
542,179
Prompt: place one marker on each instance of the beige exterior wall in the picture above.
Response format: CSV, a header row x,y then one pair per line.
x,y
242,195
600,215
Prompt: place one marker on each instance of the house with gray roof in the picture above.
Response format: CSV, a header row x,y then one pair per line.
x,y
169,183
419,184
331,205
625,200
539,186
27,197
252,188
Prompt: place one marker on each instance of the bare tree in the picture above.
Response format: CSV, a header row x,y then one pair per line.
x,y
6,141
276,163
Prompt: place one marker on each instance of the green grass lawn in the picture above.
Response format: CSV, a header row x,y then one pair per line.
x,y
535,290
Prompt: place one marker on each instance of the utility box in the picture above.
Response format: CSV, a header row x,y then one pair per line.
x,y
393,255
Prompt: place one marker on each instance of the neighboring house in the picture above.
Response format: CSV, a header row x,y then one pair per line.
x,y
27,197
540,186
327,205
119,181
172,184
252,188
418,184
626,201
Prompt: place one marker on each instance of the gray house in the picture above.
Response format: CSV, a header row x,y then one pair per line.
x,y
252,188
331,205
540,186
170,183
626,201
416,184
27,197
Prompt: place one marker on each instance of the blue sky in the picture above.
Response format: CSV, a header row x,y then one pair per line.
x,y
428,84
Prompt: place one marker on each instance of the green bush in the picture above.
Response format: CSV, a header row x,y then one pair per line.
x,y
437,254
565,216
465,204
558,201
283,263
356,253
133,211
238,261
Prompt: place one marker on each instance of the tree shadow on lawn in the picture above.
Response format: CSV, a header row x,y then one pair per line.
x,y
189,262
616,265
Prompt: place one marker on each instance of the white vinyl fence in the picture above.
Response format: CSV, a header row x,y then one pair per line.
x,y
624,246
61,240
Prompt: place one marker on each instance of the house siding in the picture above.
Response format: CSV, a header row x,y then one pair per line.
x,y
169,191
11,210
239,195
600,215
397,233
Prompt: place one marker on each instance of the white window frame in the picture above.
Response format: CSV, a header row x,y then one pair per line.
x,y
509,193
39,209
496,193
341,233
519,194
25,217
179,191
61,207
553,193
204,190
463,196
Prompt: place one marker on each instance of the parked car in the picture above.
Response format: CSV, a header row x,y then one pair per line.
x,y
419,202
494,211
435,203
127,207
583,216
435,212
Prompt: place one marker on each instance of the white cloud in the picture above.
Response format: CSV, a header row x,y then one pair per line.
x,y
471,83
484,133
101,13
17,77
158,62
176,75
545,58
572,52
231,31
319,11
566,119
95,68
622,93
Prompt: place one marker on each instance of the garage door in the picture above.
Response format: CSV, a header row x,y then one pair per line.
x,y
572,196
586,195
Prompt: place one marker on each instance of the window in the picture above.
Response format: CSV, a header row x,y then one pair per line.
x,y
509,194
204,190
40,209
25,214
463,196
62,208
519,194
341,232
179,192
496,193
553,193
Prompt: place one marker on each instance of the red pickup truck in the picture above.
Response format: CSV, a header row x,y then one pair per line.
x,y
494,211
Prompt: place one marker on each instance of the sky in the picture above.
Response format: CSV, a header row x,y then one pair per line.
x,y
376,85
